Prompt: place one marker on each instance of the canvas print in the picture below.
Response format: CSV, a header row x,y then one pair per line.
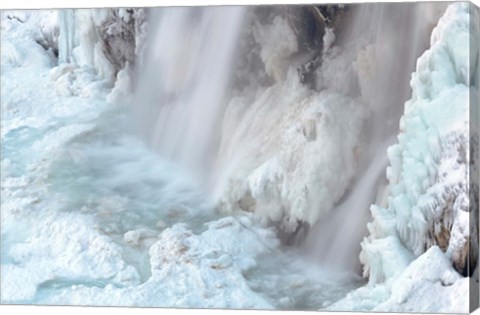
x,y
292,157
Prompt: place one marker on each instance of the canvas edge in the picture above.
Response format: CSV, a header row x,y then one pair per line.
x,y
473,179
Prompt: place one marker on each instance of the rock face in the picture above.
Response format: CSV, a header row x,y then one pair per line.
x,y
308,25
118,36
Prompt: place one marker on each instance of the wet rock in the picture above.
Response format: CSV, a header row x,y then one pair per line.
x,y
118,37
295,236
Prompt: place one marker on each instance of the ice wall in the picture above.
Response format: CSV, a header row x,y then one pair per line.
x,y
428,190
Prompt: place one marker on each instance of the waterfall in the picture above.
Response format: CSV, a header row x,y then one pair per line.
x,y
180,94
387,39
181,97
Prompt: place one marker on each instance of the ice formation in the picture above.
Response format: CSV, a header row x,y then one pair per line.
x,y
428,201
105,40
427,234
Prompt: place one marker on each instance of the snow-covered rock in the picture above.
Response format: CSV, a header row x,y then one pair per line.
x,y
288,168
428,284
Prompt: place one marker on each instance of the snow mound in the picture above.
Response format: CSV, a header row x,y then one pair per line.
x,y
428,284
64,247
430,273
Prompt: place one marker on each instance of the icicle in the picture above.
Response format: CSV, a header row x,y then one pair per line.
x,y
66,19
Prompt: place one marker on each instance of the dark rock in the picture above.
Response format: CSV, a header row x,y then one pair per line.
x,y
294,236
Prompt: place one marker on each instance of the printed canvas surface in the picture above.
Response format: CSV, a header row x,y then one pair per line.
x,y
301,157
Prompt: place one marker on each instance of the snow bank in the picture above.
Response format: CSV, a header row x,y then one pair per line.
x,y
189,270
430,275
18,54
66,246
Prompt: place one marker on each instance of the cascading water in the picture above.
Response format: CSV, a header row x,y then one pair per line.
x,y
181,90
387,40
189,61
